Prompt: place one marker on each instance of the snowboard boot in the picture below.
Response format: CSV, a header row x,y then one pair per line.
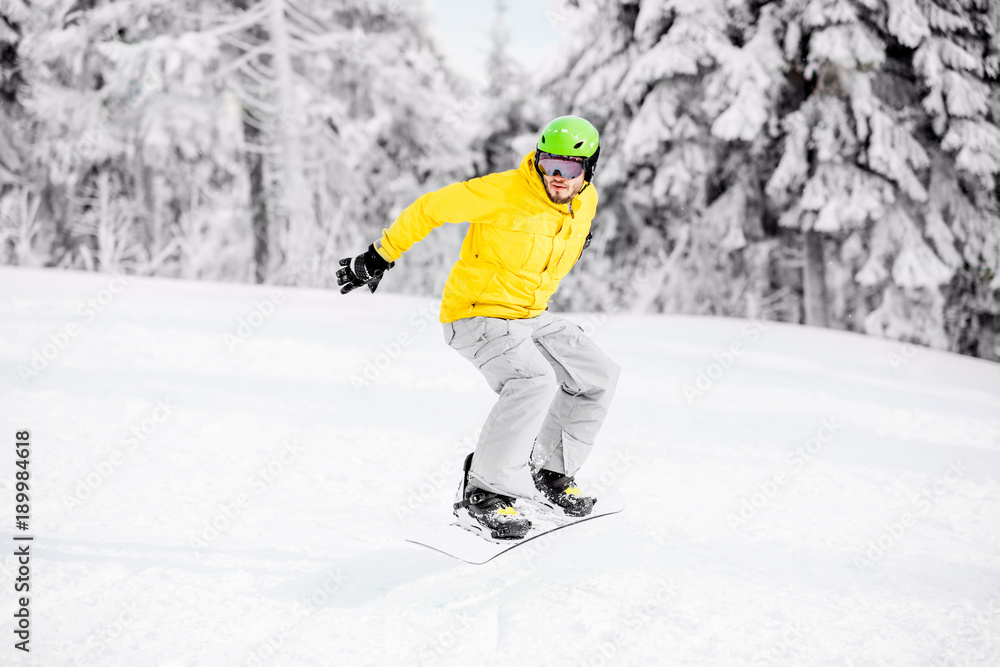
x,y
562,491
488,512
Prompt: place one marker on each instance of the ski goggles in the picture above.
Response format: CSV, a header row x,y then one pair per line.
x,y
567,167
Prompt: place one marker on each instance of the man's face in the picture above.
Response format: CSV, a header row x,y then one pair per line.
x,y
562,190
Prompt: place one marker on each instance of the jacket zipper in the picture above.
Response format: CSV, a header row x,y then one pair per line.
x,y
549,263
558,259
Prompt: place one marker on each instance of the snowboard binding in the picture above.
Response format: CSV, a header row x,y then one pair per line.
x,y
488,512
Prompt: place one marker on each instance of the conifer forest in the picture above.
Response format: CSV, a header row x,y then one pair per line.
x,y
832,163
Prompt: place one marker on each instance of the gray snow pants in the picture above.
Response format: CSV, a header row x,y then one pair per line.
x,y
555,387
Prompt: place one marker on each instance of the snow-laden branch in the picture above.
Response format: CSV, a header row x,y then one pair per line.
x,y
242,21
254,101
239,43
245,64
304,18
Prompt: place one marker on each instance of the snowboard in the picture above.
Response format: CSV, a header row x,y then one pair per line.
x,y
472,547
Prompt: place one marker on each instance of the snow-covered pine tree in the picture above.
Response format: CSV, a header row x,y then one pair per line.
x,y
683,93
22,241
875,159
514,113
849,159
268,46
145,92
407,126
869,137
357,112
957,58
127,131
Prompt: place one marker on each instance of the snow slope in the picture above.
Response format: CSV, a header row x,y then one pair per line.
x,y
201,498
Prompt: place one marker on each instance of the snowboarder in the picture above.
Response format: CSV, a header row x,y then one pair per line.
x,y
528,227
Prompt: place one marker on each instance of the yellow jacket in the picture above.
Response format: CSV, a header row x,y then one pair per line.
x,y
519,244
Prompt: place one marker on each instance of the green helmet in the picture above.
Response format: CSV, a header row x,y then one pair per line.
x,y
571,136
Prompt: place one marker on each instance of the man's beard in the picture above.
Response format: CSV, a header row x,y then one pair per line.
x,y
563,199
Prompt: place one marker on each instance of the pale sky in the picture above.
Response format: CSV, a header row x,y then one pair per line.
x,y
462,29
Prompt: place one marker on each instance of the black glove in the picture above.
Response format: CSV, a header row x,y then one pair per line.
x,y
365,269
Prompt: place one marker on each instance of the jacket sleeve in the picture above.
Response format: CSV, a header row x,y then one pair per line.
x,y
476,200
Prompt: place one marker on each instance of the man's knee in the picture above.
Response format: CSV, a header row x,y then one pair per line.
x,y
538,385
607,378
598,376
518,365
542,380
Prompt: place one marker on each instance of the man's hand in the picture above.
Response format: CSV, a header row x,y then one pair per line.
x,y
365,269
